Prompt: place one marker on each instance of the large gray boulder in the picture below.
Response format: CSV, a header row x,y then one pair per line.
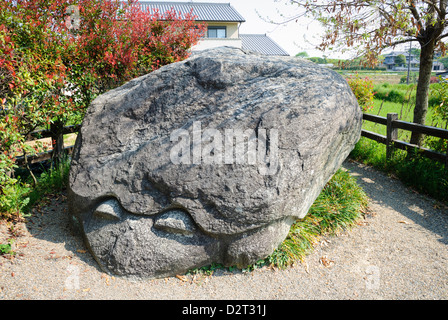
x,y
207,160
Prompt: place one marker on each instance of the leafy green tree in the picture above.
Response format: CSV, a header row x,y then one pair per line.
x,y
371,26
416,52
400,60
318,60
302,54
444,60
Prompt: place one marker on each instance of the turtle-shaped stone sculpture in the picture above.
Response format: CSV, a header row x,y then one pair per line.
x,y
207,160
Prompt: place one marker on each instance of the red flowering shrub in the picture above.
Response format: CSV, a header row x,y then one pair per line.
x,y
114,45
56,56
434,80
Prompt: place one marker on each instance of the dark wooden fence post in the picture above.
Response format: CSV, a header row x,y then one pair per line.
x,y
392,134
57,141
446,158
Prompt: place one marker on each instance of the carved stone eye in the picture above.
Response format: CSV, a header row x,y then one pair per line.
x,y
175,221
109,210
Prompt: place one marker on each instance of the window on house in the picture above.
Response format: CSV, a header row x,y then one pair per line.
x,y
217,32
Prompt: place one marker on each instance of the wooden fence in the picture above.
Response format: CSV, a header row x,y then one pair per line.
x,y
391,139
57,139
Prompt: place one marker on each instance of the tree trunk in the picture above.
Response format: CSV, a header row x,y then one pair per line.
x,y
421,101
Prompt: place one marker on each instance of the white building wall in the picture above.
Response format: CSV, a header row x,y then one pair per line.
x,y
232,28
208,43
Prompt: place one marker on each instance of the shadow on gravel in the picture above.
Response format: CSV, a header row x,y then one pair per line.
x,y
51,222
390,192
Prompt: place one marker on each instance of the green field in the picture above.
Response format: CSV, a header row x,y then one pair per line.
x,y
405,112
379,77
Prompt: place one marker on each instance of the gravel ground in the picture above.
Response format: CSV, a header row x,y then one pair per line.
x,y
400,251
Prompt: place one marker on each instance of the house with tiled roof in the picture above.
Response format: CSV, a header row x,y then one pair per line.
x,y
391,62
223,25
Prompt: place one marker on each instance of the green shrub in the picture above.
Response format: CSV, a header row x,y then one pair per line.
x,y
13,200
50,182
421,174
412,79
438,99
18,198
436,144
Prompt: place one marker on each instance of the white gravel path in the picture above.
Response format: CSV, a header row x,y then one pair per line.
x,y
400,251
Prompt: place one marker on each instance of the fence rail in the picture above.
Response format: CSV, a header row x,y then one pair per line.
x,y
40,134
391,139
57,139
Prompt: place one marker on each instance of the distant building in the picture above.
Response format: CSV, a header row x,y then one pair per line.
x,y
390,62
223,23
438,66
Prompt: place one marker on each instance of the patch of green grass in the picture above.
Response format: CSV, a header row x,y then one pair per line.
x,y
405,112
50,181
6,249
399,93
339,206
208,270
370,153
19,198
421,174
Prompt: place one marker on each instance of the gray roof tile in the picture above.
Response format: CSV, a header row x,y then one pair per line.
x,y
203,11
262,44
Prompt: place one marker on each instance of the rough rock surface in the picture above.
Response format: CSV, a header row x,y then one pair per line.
x,y
158,187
